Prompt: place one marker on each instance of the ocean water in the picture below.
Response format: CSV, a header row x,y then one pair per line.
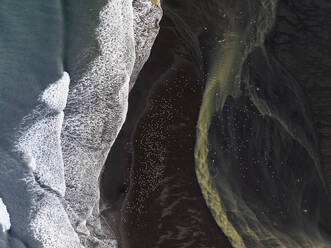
x,y
31,54
51,51
33,93
262,133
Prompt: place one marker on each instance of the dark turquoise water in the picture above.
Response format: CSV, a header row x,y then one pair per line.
x,y
31,46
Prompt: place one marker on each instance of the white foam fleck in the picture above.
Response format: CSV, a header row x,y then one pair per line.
x,y
4,217
55,96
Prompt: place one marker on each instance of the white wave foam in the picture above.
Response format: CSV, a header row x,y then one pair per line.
x,y
32,176
39,136
96,110
55,96
97,106
146,27
4,217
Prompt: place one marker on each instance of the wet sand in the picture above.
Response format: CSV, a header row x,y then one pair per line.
x,y
164,205
165,198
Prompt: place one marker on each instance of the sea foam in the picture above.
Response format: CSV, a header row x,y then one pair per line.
x,y
4,217
32,176
96,109
97,106
51,158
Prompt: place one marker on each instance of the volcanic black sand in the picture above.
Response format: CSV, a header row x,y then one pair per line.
x,y
301,41
164,205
